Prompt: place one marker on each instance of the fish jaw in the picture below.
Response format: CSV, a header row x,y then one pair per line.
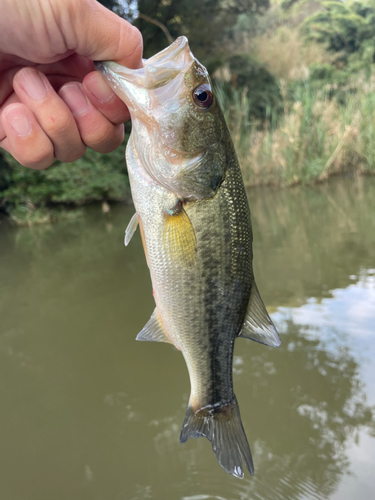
x,y
136,87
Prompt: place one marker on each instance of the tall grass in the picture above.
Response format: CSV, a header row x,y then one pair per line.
x,y
327,128
317,137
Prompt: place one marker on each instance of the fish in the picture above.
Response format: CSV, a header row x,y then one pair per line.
x,y
194,218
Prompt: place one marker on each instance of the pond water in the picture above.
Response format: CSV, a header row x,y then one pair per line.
x,y
86,412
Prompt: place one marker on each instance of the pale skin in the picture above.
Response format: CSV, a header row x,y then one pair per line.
x,y
53,105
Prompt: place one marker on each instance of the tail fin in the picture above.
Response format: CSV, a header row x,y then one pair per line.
x,y
223,427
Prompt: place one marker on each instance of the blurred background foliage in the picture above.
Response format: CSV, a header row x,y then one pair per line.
x,y
295,79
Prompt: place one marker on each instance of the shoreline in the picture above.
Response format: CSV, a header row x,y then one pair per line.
x,y
27,216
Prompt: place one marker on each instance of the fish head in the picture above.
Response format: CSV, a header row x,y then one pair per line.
x,y
177,125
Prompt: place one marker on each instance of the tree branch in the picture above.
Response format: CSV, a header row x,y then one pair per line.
x,y
159,24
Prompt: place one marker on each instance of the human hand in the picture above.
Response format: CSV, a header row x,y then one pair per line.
x,y
52,103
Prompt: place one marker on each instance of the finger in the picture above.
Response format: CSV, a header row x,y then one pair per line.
x,y
102,35
25,139
53,115
11,99
102,97
96,131
56,82
6,87
75,66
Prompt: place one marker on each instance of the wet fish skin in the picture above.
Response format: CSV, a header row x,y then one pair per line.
x,y
195,222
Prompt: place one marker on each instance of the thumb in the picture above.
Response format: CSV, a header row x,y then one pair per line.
x,y
102,35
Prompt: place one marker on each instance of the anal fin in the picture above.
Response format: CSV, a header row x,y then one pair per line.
x,y
153,331
131,229
258,325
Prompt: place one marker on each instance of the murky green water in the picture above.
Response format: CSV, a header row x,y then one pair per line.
x,y
88,413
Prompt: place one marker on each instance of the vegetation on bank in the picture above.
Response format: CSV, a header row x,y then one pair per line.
x,y
296,81
322,55
317,137
34,196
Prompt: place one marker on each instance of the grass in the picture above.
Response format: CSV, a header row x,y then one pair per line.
x,y
317,137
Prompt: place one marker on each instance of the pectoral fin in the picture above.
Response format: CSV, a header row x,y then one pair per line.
x,y
153,330
179,237
131,229
258,325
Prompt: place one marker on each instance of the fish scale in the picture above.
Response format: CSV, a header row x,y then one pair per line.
x,y
195,223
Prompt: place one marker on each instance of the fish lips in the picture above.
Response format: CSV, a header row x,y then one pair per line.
x,y
135,86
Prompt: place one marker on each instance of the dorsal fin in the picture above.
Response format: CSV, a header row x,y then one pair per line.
x,y
258,325
130,230
153,331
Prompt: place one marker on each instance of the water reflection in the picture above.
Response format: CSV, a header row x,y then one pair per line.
x,y
311,241
302,408
88,413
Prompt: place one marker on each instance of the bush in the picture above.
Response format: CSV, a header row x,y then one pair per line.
x,y
344,28
94,177
260,86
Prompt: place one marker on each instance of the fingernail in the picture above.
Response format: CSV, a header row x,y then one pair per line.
x,y
19,121
32,83
99,88
74,98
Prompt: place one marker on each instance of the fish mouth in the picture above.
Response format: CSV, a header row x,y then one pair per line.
x,y
156,72
159,86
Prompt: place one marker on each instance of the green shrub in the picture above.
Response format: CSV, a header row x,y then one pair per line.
x,y
94,177
261,87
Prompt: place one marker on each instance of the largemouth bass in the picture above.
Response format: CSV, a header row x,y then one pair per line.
x,y
194,219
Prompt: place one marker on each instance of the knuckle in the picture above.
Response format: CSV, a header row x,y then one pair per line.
x,y
117,112
72,155
58,124
38,158
108,141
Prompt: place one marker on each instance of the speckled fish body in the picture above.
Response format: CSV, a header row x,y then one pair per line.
x,y
195,224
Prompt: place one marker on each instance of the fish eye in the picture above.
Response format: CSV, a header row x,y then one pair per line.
x,y
202,96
